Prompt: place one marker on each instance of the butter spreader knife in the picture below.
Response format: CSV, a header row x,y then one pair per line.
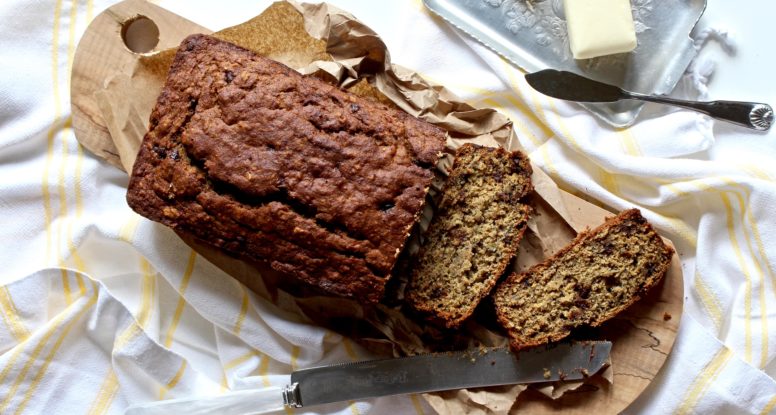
x,y
415,374
572,87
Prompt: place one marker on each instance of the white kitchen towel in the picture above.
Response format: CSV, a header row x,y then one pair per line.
x,y
102,309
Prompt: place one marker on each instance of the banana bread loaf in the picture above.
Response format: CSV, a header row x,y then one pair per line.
x,y
474,234
591,280
248,155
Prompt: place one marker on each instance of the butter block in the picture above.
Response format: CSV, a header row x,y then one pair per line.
x,y
599,27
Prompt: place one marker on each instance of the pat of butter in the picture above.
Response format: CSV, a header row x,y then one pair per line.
x,y
599,27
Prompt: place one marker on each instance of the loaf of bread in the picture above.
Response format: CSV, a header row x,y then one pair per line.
x,y
248,155
591,280
474,234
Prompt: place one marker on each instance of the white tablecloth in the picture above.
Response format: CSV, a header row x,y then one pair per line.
x,y
102,309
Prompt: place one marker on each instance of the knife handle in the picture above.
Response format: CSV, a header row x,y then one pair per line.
x,y
253,401
754,115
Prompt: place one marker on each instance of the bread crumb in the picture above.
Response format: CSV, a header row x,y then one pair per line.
x,y
666,317
473,235
585,283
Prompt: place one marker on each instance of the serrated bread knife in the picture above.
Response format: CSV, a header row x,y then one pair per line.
x,y
416,374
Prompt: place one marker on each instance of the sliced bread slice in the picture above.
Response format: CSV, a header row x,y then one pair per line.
x,y
591,280
474,234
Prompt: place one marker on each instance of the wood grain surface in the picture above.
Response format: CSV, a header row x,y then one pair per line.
x,y
102,53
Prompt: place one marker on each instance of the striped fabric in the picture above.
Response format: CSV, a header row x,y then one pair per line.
x,y
102,309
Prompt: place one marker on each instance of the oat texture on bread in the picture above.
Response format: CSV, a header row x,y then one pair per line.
x,y
595,277
474,234
248,155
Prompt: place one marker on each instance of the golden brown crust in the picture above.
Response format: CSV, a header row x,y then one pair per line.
x,y
248,155
634,259
474,235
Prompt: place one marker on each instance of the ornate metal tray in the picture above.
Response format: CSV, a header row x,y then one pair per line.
x,y
532,35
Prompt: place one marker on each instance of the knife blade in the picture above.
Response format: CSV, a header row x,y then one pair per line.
x,y
415,374
572,87
444,371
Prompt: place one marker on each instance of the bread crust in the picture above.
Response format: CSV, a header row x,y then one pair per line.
x,y
250,156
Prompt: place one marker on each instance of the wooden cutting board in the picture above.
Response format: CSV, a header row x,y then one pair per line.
x,y
642,337
104,51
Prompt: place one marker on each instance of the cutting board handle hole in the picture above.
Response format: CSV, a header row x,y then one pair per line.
x,y
140,34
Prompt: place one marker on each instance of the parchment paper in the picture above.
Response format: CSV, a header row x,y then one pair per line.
x,y
323,41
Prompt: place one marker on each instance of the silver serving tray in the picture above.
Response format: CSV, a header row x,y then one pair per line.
x,y
532,35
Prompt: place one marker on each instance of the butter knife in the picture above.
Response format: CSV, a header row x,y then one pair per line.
x,y
472,368
572,87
